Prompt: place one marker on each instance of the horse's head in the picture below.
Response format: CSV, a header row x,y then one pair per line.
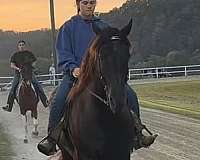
x,y
26,73
112,47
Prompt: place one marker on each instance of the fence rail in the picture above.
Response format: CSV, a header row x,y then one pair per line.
x,y
142,73
161,72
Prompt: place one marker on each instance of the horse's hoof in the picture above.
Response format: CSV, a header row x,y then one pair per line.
x,y
35,133
25,140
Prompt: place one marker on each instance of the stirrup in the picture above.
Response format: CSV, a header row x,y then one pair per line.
x,y
148,131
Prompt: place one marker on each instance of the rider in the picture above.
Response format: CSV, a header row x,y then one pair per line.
x,y
73,39
17,60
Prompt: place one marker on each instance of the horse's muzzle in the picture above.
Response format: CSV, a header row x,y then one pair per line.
x,y
117,100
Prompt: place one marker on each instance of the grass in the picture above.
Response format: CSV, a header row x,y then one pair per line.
x,y
176,97
5,146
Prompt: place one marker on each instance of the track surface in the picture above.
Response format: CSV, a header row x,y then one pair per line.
x,y
179,137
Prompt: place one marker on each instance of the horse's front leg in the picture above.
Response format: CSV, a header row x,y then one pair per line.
x,y
35,130
25,124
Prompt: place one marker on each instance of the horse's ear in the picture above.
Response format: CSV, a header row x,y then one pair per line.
x,y
126,30
96,28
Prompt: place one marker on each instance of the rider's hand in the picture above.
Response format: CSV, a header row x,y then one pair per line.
x,y
18,69
76,72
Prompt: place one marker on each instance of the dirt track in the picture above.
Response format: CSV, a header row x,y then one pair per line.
x,y
179,137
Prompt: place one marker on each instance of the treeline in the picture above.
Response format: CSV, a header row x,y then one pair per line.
x,y
39,42
164,33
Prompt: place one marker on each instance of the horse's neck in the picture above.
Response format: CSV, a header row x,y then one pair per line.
x,y
27,87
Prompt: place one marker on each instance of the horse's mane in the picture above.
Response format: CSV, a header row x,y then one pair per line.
x,y
88,65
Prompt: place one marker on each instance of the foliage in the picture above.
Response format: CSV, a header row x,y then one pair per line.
x,y
39,42
164,32
162,27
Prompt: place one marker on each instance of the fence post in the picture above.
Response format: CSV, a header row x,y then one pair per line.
x,y
185,71
157,73
129,75
54,79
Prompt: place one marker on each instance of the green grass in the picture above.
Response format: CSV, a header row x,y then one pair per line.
x,y
176,97
5,146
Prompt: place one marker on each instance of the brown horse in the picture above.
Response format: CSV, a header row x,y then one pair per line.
x,y
96,125
28,99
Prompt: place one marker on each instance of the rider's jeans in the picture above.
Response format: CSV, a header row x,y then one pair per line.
x,y
58,102
15,83
37,86
39,89
133,100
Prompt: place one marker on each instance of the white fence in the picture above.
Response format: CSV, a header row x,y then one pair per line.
x,y
162,72
45,79
143,73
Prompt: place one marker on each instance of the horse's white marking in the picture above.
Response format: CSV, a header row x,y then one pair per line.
x,y
35,123
25,123
115,37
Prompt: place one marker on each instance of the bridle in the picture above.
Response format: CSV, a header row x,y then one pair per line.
x,y
102,79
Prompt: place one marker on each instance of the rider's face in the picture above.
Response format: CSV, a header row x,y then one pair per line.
x,y
21,46
87,8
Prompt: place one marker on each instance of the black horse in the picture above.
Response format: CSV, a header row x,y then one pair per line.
x,y
28,99
96,124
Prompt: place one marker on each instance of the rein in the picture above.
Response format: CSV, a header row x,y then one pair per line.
x,y
98,97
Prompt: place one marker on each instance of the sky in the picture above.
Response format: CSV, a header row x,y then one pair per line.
x,y
27,15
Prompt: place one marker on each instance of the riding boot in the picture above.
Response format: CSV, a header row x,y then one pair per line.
x,y
47,146
10,102
141,140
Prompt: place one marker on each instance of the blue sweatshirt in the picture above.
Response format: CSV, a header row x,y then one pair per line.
x,y
73,39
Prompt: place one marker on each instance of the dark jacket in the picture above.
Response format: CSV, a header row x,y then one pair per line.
x,y
73,39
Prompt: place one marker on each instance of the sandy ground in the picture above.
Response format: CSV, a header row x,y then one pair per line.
x,y
179,137
13,126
